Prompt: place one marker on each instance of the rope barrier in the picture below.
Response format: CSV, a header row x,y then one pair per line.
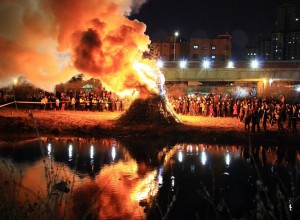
x,y
19,102
7,104
39,103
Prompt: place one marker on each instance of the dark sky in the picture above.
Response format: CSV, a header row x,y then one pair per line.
x,y
242,19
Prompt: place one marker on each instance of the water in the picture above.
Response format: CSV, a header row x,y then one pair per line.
x,y
135,179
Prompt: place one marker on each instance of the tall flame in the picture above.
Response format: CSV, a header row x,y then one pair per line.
x,y
50,41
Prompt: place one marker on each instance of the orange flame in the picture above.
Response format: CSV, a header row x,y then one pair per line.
x,y
50,41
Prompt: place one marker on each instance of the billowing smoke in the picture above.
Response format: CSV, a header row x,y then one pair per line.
x,y
49,41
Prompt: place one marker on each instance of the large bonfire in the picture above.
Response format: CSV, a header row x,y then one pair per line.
x,y
151,110
50,41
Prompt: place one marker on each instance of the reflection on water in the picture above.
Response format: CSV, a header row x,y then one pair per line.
x,y
210,181
185,181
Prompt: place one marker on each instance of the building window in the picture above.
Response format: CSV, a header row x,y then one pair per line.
x,y
196,47
204,48
195,56
213,47
213,57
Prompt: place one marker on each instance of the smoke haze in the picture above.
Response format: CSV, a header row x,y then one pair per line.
x,y
49,41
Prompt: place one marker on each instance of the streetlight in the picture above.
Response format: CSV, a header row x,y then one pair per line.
x,y
160,64
230,64
175,35
182,64
254,64
206,64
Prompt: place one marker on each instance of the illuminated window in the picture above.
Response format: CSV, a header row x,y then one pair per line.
x,y
204,48
196,47
213,47
213,57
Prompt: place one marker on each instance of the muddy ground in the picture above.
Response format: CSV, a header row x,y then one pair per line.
x,y
105,124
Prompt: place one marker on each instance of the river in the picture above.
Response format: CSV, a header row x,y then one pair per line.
x,y
81,178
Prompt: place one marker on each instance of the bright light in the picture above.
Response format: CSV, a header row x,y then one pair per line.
x,y
160,177
147,187
15,81
189,148
203,158
265,81
49,149
180,156
290,202
230,64
161,82
172,182
176,34
270,81
183,64
254,64
113,153
92,152
70,151
206,64
160,64
227,159
298,88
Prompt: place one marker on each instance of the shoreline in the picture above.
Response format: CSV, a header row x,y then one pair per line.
x,y
192,129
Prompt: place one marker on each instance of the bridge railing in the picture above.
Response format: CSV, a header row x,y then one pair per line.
x,y
239,64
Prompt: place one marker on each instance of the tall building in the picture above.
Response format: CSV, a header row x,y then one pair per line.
x,y
284,42
278,46
286,16
293,45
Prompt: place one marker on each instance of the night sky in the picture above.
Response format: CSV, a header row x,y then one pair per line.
x,y
242,19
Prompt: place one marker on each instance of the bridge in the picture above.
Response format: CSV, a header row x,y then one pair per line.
x,y
240,71
262,76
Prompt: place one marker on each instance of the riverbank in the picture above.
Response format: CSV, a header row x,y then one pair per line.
x,y
104,124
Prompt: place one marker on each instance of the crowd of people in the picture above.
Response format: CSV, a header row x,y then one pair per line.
x,y
253,112
256,114
83,101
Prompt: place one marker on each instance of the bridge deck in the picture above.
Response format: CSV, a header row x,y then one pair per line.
x,y
282,71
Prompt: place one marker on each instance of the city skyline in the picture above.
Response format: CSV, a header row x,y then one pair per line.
x,y
244,21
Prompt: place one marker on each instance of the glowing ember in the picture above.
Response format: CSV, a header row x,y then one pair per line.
x,y
50,41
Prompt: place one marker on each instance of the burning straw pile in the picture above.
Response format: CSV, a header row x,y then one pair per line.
x,y
147,111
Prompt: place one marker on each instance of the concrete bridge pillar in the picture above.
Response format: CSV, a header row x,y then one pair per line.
x,y
264,86
260,87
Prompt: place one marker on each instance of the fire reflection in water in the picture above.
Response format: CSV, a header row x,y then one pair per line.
x,y
120,184
116,192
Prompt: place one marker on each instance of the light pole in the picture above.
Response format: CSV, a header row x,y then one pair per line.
x,y
175,35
